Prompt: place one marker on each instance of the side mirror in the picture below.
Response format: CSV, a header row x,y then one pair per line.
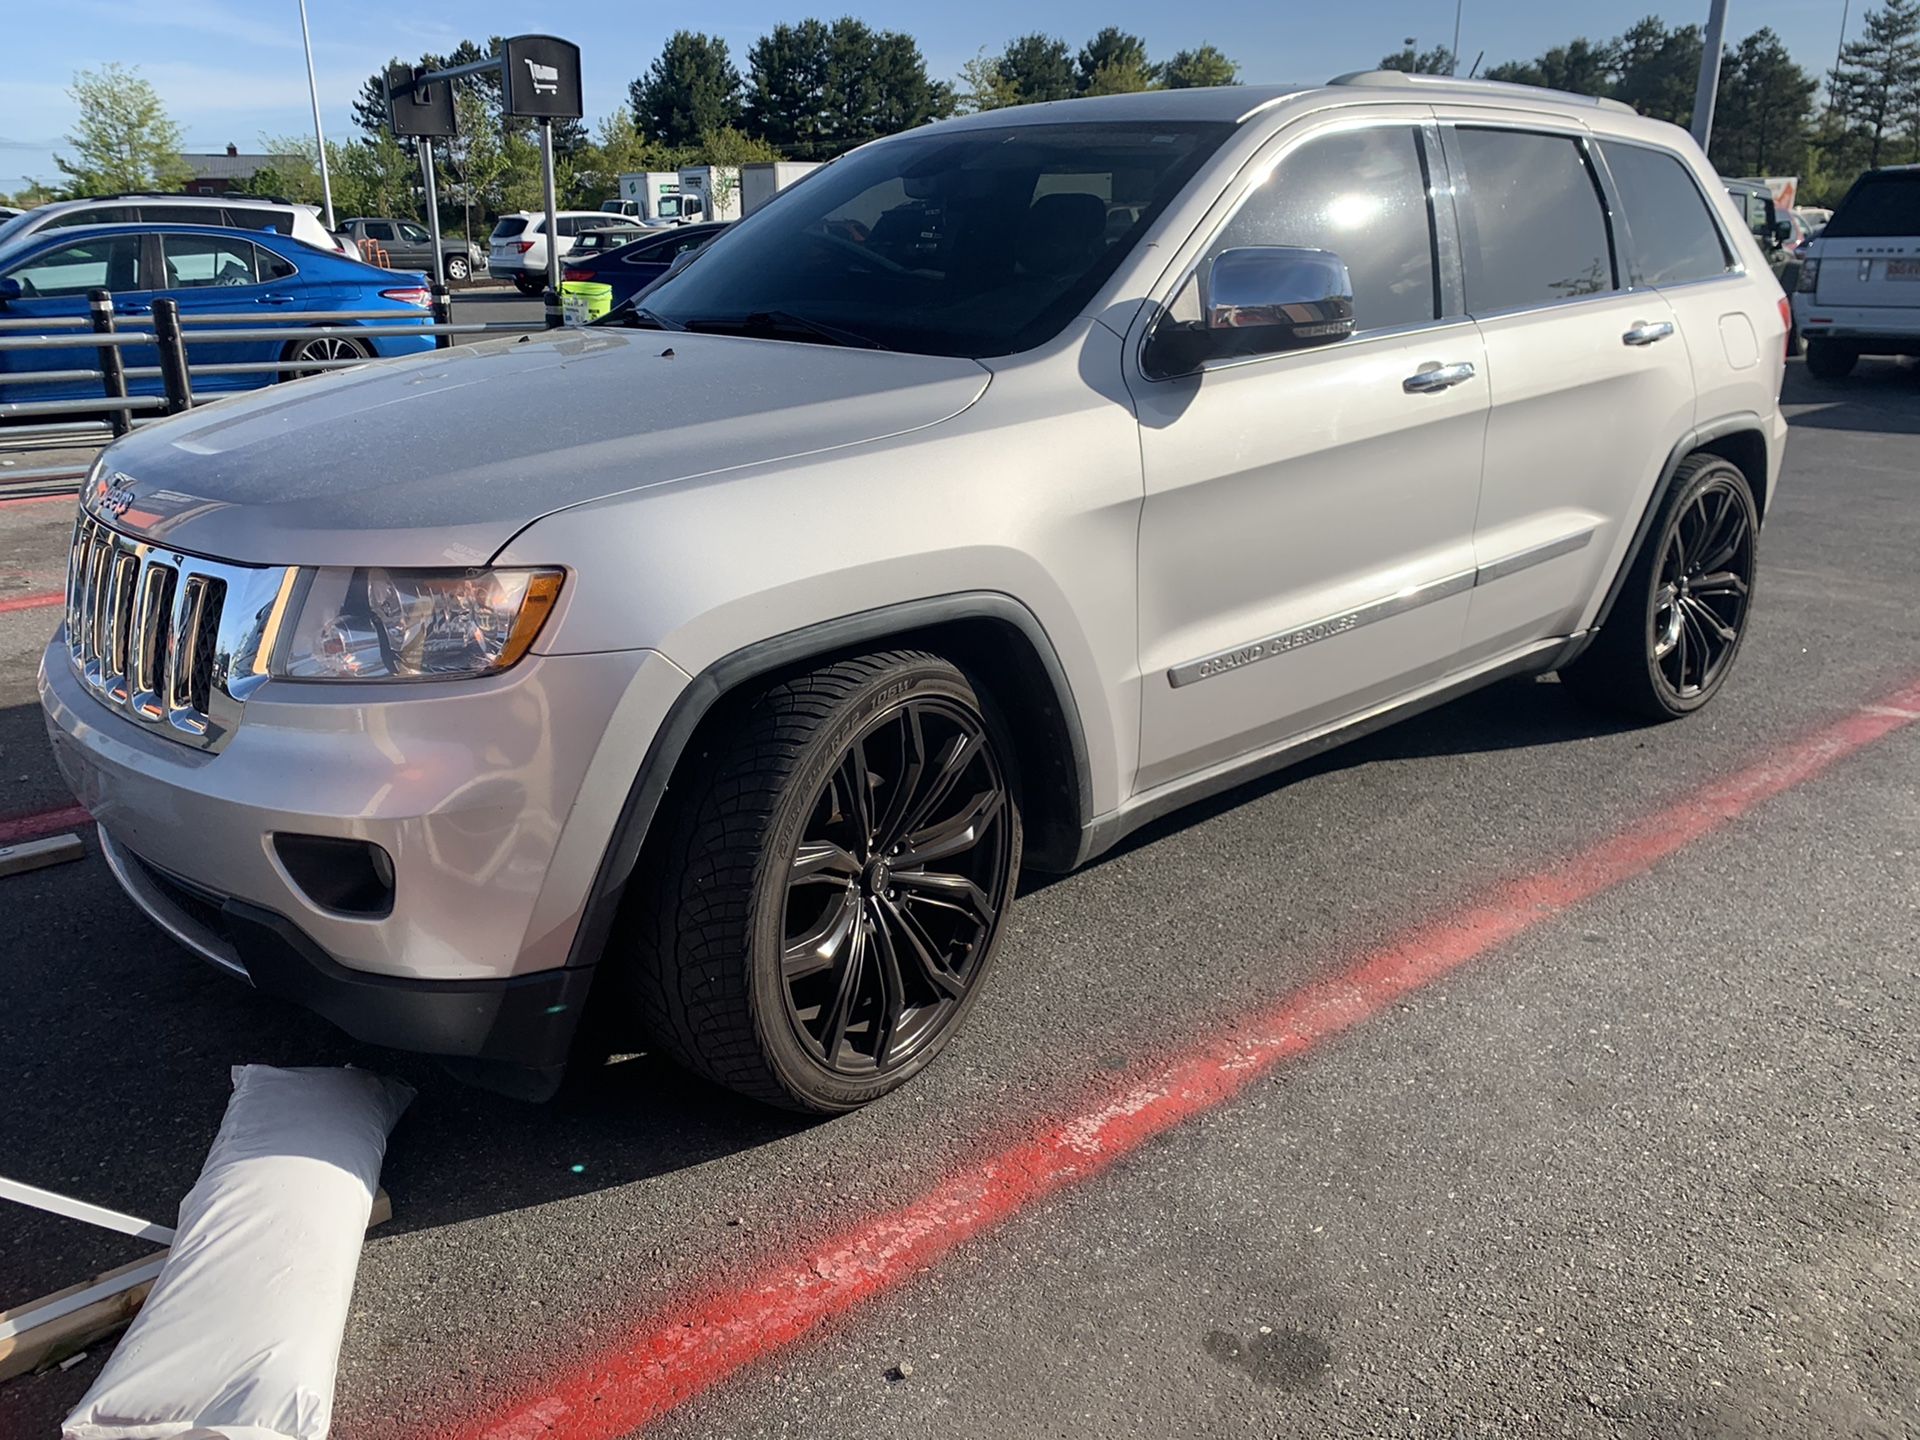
x,y
1259,300
10,289
1782,231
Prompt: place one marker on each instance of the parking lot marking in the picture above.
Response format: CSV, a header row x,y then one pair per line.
x,y
685,1348
6,500
32,602
15,828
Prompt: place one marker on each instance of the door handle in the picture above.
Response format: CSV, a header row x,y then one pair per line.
x,y
1432,378
1645,332
135,307
274,300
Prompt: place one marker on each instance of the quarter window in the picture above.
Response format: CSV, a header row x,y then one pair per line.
x,y
1532,227
1363,195
1674,237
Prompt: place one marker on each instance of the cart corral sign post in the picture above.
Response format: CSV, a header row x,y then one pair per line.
x,y
539,80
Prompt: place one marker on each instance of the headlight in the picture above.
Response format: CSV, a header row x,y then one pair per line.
x,y
1809,277
379,624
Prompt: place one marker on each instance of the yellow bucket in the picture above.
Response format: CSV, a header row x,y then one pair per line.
x,y
583,301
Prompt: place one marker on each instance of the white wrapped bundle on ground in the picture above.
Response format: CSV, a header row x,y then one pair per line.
x,y
242,1332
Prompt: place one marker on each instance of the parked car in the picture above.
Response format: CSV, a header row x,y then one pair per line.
x,y
593,284
208,271
1772,228
519,242
1009,484
403,245
598,242
239,212
1859,287
7,212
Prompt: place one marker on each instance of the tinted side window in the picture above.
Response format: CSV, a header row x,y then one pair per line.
x,y
110,263
254,218
1885,205
93,215
1532,228
1674,237
1363,195
197,260
180,214
272,266
377,229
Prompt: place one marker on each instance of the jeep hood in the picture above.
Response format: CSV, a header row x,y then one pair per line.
x,y
440,459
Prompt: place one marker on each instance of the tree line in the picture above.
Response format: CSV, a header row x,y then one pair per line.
x,y
814,89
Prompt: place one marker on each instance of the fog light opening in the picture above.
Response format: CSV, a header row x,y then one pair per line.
x,y
348,877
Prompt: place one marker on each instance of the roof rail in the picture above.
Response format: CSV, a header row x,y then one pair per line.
x,y
180,195
1404,80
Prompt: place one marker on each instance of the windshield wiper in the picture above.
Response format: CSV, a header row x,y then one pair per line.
x,y
639,318
769,323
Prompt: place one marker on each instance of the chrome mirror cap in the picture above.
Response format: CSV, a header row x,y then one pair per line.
x,y
1305,293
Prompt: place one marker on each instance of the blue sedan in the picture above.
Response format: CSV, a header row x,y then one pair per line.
x,y
208,270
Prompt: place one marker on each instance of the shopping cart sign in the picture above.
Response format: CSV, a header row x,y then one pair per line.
x,y
542,74
545,78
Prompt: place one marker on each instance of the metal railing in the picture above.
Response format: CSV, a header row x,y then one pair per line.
x,y
102,335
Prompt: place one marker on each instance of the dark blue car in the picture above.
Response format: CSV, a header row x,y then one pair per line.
x,y
627,271
208,270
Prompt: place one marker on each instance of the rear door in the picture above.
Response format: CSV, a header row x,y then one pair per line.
x,y
214,274
1590,381
1306,541
1870,250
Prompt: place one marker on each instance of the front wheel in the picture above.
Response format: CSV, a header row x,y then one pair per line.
x,y
1830,359
834,879
458,268
1668,644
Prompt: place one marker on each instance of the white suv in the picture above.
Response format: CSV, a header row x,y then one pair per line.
x,y
712,671
241,212
518,245
1859,288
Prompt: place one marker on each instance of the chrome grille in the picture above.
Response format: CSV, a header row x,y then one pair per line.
x,y
171,640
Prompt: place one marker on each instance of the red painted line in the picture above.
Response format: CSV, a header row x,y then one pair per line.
x,y
15,828
32,602
686,1348
6,500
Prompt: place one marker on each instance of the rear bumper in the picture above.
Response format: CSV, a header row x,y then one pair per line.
x,y
1895,326
525,1020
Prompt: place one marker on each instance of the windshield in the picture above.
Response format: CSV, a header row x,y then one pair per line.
x,y
944,242
15,226
1879,206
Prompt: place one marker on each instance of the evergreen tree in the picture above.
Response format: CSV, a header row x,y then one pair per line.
x,y
1037,67
1762,110
1437,61
690,88
1113,63
1876,86
1192,69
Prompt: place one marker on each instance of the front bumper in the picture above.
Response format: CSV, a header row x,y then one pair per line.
x,y
1895,326
494,799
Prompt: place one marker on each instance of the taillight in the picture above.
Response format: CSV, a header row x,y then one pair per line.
x,y
576,275
523,246
1786,319
412,295
1809,277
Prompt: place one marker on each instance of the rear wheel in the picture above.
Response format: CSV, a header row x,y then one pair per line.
x,y
834,880
1830,359
1676,627
324,347
529,284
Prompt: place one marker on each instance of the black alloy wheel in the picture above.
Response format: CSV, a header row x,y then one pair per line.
x,y
896,888
1669,641
324,347
818,906
1706,578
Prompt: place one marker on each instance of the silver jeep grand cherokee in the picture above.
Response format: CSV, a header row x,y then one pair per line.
x,y
713,671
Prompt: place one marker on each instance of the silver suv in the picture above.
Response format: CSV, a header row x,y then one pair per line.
x,y
1012,482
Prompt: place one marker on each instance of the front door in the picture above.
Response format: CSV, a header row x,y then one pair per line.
x,y
1306,543
1589,380
53,285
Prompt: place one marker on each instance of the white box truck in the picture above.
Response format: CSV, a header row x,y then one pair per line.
x,y
761,182
710,192
649,195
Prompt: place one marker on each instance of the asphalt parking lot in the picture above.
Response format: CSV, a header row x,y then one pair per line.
x,y
1624,1151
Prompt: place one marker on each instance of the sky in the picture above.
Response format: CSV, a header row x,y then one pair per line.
x,y
230,71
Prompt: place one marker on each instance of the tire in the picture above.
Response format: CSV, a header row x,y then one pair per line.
x,y
1676,627
459,268
332,346
530,284
1830,359
776,950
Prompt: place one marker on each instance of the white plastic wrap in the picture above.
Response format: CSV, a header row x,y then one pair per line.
x,y
241,1335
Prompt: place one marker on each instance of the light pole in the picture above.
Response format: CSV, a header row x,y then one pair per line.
x,y
319,140
1709,87
1453,61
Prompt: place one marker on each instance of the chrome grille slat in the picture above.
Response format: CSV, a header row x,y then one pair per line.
x,y
170,640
